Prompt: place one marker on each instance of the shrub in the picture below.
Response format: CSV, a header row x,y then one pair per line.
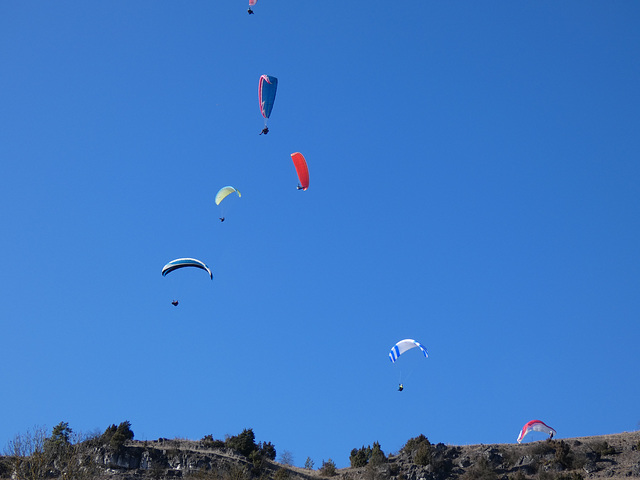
x,y
359,458
377,455
243,443
268,450
26,454
413,443
209,442
235,472
366,455
257,463
117,436
282,474
328,468
481,470
603,448
422,454
308,463
563,454
544,448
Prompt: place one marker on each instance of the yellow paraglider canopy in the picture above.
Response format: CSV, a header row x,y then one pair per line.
x,y
224,192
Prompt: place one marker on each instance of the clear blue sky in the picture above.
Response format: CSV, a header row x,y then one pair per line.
x,y
475,177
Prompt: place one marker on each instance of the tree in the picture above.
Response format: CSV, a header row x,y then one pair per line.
x,y
28,458
377,456
360,457
117,436
328,468
244,443
268,450
61,434
366,455
413,443
286,458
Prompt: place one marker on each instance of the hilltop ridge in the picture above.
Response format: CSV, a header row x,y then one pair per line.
x,y
614,456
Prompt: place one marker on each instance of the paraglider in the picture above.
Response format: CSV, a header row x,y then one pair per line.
x,y
536,426
185,262
267,86
401,347
174,303
251,4
224,192
301,168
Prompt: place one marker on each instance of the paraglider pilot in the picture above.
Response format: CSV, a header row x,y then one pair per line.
x,y
400,387
265,130
250,11
174,303
222,219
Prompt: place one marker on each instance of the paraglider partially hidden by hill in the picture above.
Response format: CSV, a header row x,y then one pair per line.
x,y
535,426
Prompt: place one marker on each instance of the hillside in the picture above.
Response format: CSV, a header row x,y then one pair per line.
x,y
609,456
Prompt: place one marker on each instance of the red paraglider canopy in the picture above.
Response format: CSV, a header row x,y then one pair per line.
x,y
301,167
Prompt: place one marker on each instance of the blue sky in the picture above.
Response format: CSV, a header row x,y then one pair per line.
x,y
474,185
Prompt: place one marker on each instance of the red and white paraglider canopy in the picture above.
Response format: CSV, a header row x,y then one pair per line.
x,y
536,426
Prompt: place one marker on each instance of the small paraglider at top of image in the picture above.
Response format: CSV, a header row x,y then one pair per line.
x,y
251,4
397,350
267,86
302,170
185,262
536,426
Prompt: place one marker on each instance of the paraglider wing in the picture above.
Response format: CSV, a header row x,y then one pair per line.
x,y
252,2
535,426
267,87
185,262
224,192
301,167
404,345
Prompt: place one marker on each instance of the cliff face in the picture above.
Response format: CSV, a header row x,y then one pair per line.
x,y
610,456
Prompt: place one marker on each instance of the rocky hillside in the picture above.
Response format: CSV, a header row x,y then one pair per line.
x,y
609,456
